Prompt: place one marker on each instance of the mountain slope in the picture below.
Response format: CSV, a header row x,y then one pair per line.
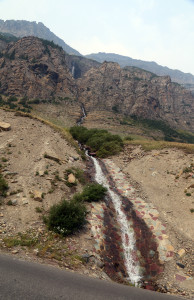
x,y
123,61
132,91
21,28
35,68
40,70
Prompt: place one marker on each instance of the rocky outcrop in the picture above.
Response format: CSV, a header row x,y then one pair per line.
x,y
35,69
133,91
21,28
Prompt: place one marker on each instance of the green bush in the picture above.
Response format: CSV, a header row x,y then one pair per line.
x,y
3,186
98,140
66,217
112,147
91,192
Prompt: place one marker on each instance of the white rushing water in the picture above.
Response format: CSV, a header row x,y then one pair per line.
x,y
127,237
73,71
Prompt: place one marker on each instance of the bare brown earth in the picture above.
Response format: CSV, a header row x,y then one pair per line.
x,y
158,176
30,174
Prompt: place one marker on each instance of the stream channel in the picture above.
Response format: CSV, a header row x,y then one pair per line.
x,y
128,244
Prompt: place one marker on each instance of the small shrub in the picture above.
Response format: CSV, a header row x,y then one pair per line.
x,y
38,209
3,186
192,210
188,194
4,159
10,203
66,217
92,192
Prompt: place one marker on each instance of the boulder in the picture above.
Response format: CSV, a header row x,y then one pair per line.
x,y
5,126
38,196
71,178
181,252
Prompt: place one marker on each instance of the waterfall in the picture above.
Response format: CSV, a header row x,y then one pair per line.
x,y
80,121
127,237
73,71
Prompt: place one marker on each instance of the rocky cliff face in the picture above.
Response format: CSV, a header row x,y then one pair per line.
x,y
35,69
23,28
132,91
39,69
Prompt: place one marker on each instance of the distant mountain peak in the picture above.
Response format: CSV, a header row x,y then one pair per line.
x,y
178,76
21,28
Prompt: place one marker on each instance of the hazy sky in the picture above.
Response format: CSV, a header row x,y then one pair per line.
x,y
153,30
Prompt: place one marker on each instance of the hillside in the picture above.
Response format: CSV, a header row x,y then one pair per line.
x,y
36,71
37,181
134,92
21,28
186,79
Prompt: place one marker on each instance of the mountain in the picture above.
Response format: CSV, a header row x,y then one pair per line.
x,y
35,68
186,79
21,28
38,69
135,92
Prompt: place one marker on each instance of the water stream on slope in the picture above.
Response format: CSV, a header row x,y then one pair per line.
x,y
128,240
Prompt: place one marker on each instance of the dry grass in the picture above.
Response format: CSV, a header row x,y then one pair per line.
x,y
149,145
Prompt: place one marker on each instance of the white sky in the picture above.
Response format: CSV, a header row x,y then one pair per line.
x,y
153,30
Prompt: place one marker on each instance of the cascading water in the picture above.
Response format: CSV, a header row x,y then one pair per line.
x,y
80,121
128,239
73,71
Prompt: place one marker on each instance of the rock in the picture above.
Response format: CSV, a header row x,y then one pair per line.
x,y
41,173
14,202
14,251
71,178
181,252
36,252
38,196
1,215
76,158
25,202
86,257
99,264
180,265
5,126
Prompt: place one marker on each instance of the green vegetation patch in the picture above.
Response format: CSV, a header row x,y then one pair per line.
x,y
100,141
91,193
66,217
3,186
170,134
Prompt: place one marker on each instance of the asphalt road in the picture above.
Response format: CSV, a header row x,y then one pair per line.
x,y
26,280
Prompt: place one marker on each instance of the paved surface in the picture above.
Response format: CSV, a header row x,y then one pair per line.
x,y
26,280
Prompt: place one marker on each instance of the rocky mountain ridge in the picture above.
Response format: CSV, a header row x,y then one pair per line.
x,y
186,79
22,28
39,69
